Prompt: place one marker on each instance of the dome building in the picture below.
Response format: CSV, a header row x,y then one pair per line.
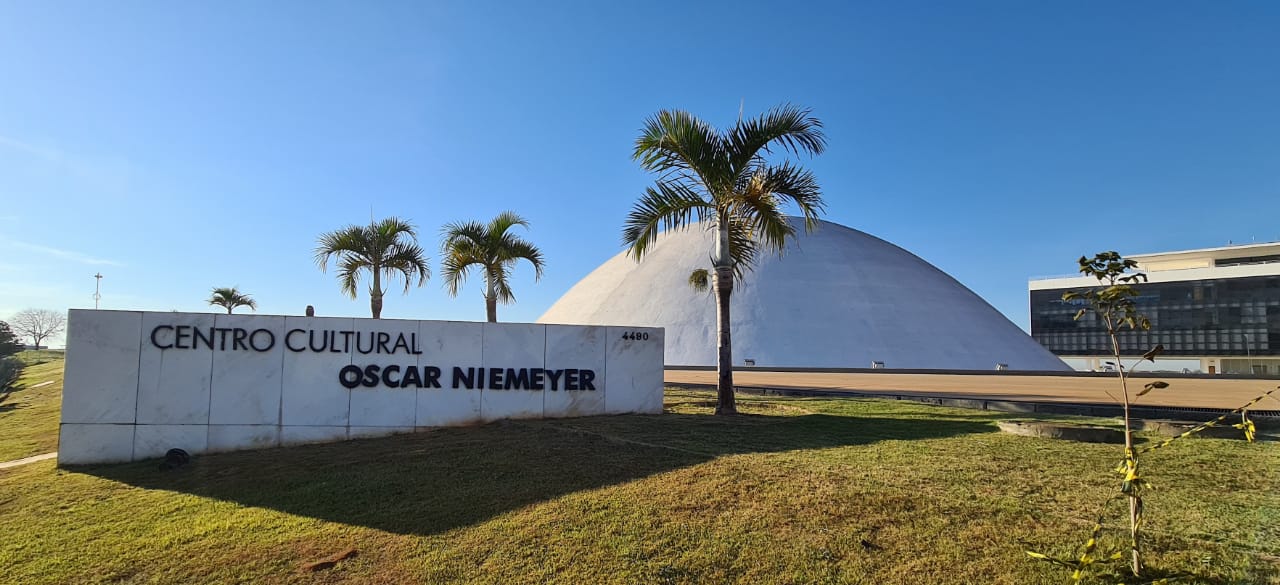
x,y
836,298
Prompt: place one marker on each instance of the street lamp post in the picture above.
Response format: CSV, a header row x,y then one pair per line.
x,y
97,289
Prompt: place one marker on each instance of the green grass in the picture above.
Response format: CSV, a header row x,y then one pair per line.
x,y
29,416
799,491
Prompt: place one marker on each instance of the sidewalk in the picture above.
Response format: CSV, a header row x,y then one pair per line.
x,y
26,460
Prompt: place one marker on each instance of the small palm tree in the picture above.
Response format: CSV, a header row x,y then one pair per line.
x,y
722,181
492,249
384,249
230,298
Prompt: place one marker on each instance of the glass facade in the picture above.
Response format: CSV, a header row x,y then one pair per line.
x,y
1215,317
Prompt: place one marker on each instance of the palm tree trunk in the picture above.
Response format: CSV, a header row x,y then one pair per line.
x,y
375,294
490,301
228,310
724,364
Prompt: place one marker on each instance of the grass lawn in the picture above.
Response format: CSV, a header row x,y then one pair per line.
x,y
29,416
799,491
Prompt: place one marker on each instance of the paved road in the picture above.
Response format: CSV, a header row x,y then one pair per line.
x,y
1198,393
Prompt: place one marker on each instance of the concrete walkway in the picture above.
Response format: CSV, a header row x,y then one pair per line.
x,y
1184,393
26,460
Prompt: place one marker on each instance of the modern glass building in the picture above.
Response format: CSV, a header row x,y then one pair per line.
x,y
1215,310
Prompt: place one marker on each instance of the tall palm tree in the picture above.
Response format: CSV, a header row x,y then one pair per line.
x,y
722,181
387,248
493,250
230,298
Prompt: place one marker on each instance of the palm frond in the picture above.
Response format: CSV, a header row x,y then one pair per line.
x,y
790,126
231,297
501,286
790,182
505,221
351,240
678,145
744,246
664,206
513,248
406,260
349,274
490,247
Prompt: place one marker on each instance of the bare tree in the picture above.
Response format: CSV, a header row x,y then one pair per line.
x,y
38,324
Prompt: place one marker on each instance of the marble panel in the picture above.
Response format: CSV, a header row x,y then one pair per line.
x,y
101,371
237,437
80,444
511,347
446,345
299,435
174,368
382,405
633,370
311,392
151,441
245,385
580,348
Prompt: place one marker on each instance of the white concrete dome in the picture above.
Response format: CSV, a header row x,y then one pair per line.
x,y
836,298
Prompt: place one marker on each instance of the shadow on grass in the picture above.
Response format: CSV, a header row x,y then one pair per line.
x,y
430,482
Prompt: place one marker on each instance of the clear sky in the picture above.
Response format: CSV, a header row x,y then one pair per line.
x,y
175,147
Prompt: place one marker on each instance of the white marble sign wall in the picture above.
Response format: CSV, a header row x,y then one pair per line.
x,y
140,383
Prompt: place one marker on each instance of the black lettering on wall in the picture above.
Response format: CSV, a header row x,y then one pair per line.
x,y
237,339
401,342
222,337
360,346
535,378
311,341
179,333
571,379
386,375
517,379
495,378
156,342
383,338
554,377
466,378
258,334
198,335
585,379
288,340
411,378
349,376
432,375
370,376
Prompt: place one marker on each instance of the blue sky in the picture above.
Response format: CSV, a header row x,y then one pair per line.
x,y
180,146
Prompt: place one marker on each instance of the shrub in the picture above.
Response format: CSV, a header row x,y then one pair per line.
x,y
10,371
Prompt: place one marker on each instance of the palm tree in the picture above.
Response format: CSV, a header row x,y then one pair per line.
x,y
230,298
385,248
491,249
722,181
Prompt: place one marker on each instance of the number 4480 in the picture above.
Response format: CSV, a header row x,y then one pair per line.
x,y
635,336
